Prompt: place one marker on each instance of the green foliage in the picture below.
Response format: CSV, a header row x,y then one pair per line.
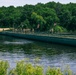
x,y
65,18
24,68
54,71
72,25
25,24
3,67
67,71
38,70
59,29
44,14
37,19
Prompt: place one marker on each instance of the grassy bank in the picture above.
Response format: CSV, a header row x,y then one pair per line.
x,y
24,68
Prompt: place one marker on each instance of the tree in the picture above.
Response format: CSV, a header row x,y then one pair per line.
x,y
37,19
65,18
74,11
25,24
41,14
72,25
51,5
27,11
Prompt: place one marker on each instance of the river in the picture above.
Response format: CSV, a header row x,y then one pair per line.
x,y
54,55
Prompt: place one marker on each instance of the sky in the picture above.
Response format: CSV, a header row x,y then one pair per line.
x,y
33,2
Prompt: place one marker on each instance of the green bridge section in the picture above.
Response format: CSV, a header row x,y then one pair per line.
x,y
44,38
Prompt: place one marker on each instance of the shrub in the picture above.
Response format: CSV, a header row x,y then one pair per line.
x,y
23,68
58,28
53,71
3,67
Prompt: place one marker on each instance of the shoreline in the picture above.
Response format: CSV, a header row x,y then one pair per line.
x,y
48,39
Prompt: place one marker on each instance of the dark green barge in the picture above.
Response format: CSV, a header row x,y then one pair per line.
x,y
43,38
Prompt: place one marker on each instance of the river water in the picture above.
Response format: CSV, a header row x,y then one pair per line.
x,y
54,55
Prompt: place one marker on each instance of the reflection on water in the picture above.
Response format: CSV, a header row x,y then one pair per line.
x,y
13,49
17,42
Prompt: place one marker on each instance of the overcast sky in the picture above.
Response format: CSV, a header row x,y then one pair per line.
x,y
33,2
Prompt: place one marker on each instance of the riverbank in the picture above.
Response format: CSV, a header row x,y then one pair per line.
x,y
44,38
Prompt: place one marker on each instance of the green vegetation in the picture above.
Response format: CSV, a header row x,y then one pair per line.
x,y
59,29
44,15
24,68
3,67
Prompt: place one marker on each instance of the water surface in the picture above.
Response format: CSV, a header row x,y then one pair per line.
x,y
14,49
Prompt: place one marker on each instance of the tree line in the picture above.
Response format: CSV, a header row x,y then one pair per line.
x,y
60,17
